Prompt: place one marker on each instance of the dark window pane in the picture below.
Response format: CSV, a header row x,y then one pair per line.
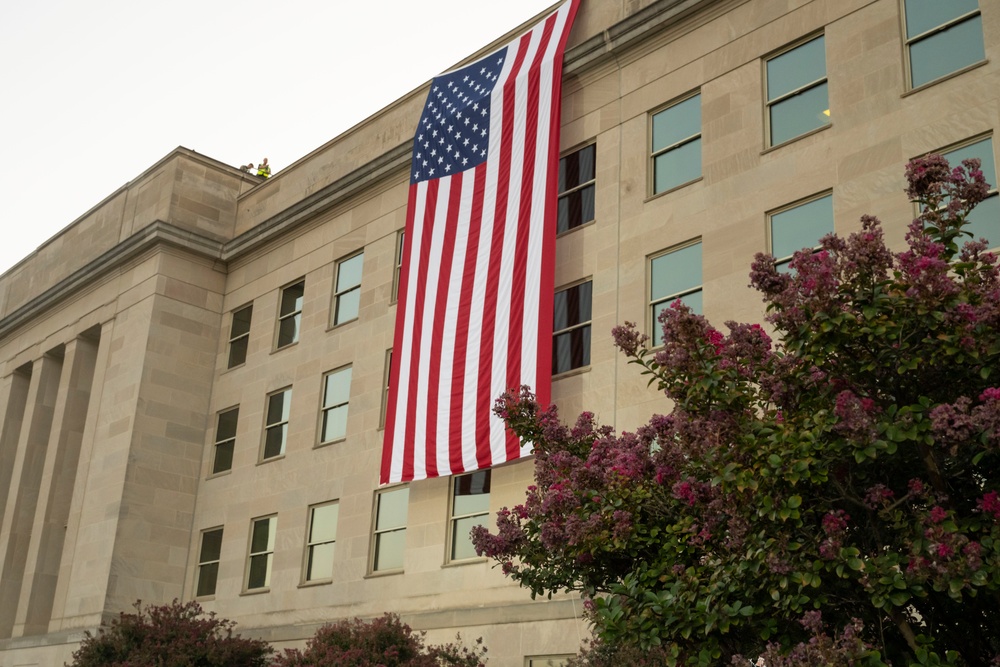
x,y
291,298
924,15
575,209
211,546
241,322
277,407
572,306
261,539
677,166
223,456
227,425
260,571
796,68
677,123
947,51
288,330
238,351
274,442
571,350
799,114
208,576
577,168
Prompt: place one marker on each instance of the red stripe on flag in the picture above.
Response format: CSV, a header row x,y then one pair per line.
x,y
430,207
444,273
462,330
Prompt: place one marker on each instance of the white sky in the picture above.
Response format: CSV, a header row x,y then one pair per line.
x,y
93,93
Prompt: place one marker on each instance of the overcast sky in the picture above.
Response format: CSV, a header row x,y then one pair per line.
x,y
93,93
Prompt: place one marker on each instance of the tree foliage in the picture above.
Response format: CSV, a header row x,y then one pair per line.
x,y
826,496
380,642
171,635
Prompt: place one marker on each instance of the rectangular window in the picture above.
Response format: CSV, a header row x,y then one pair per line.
x,y
347,294
571,328
798,227
322,536
239,336
470,505
942,36
389,538
261,552
385,387
225,440
336,393
984,221
290,313
547,660
397,269
674,274
797,100
576,189
208,562
276,427
676,144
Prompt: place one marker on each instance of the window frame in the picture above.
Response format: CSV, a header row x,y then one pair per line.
x,y
203,563
377,533
994,190
325,408
552,660
580,187
454,518
573,327
268,426
338,293
231,440
295,315
386,378
267,554
784,260
653,154
771,103
909,42
651,302
242,340
397,269
311,543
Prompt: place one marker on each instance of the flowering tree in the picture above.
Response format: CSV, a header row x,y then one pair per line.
x,y
380,642
171,635
828,497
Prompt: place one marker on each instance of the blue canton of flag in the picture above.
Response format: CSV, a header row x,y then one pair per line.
x,y
454,130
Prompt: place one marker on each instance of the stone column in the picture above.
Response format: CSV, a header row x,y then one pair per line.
x,y
56,491
14,396
26,478
79,486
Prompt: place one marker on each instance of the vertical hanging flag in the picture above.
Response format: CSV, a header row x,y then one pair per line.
x,y
474,315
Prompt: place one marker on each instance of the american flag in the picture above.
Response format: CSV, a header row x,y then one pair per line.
x,y
474,315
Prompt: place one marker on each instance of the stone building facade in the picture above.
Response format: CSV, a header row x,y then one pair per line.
x,y
192,374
